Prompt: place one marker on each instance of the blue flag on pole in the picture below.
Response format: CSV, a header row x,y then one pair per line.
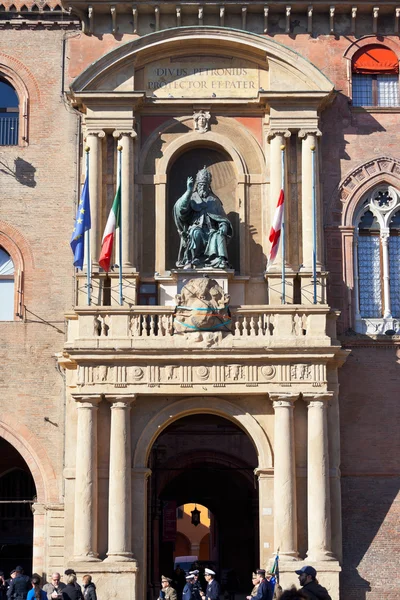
x,y
82,224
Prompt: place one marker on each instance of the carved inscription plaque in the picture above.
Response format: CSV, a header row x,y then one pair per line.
x,y
202,77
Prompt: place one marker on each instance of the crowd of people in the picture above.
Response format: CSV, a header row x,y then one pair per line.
x,y
197,585
21,587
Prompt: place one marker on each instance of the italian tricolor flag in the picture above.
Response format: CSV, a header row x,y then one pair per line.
x,y
113,221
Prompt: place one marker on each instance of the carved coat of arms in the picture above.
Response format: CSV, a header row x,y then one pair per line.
x,y
202,305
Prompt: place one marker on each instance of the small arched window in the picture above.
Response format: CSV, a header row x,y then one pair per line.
x,y
377,261
7,289
375,77
9,114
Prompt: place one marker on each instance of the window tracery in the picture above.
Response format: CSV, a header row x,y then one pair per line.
x,y
377,261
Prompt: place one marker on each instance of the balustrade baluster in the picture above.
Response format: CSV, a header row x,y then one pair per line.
x,y
152,326
260,325
252,326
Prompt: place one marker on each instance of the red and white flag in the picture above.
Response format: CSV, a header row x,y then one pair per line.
x,y
113,221
275,232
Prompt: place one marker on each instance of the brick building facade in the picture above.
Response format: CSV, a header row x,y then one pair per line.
x,y
102,406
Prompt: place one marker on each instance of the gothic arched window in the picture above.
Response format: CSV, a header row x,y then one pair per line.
x,y
375,76
377,261
7,292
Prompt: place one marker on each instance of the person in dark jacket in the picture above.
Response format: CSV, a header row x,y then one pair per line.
x,y
197,589
71,591
89,589
187,593
264,591
212,590
310,586
293,594
3,586
19,586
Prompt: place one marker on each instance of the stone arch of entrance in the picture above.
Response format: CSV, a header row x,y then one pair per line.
x,y
35,457
206,460
203,405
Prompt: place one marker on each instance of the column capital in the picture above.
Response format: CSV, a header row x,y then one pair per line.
x,y
317,399
303,133
87,400
120,401
271,133
283,400
118,133
96,132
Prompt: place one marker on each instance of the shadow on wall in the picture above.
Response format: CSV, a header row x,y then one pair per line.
x,y
337,121
343,127
23,172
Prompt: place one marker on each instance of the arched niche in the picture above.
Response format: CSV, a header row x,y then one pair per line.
x,y
224,184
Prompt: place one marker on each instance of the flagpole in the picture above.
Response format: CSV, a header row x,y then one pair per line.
x,y
87,235
283,227
119,183
314,222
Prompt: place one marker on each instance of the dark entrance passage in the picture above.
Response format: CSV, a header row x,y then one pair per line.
x,y
17,492
207,460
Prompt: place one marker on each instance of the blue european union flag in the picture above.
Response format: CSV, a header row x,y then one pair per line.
x,y
82,224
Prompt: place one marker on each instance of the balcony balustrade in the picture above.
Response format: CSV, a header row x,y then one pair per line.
x,y
153,326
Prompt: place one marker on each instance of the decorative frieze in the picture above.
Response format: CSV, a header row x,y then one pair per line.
x,y
231,374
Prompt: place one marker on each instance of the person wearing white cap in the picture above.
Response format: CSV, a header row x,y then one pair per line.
x,y
212,591
197,589
187,593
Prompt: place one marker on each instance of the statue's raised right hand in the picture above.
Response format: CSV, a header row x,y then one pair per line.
x,y
190,184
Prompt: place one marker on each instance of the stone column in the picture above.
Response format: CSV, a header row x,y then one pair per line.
x,y
318,492
387,309
309,141
120,486
94,142
265,507
277,140
86,492
126,140
285,504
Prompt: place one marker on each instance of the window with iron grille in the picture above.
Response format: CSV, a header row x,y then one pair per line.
x,y
9,114
375,77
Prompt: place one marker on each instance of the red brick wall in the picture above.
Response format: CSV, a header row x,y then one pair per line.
x,y
370,447
38,190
